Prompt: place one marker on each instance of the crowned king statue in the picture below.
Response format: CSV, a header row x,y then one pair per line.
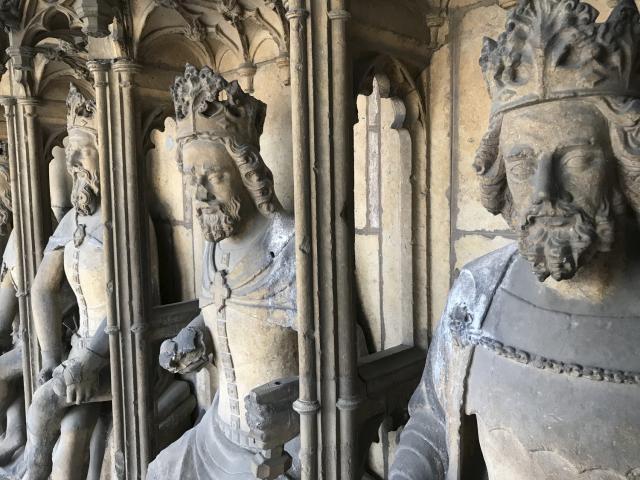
x,y
247,320
534,371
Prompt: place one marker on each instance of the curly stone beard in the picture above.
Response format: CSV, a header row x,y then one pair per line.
x,y
558,239
85,195
219,220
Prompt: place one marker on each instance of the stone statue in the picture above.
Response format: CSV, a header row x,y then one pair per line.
x,y
247,320
536,356
74,394
11,388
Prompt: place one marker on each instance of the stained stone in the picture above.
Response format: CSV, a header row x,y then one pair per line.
x,y
534,363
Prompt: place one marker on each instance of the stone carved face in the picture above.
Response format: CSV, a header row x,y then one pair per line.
x,y
560,172
5,202
219,191
83,165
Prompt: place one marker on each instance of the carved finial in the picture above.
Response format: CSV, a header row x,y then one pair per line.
x,y
195,31
206,103
554,49
80,111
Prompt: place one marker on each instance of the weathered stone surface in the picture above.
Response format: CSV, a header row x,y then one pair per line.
x,y
472,107
441,191
558,162
247,301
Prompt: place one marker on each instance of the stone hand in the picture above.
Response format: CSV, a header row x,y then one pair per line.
x,y
77,378
49,363
185,353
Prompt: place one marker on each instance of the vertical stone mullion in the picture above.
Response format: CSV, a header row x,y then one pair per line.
x,y
9,105
31,216
101,84
323,238
307,404
349,398
131,240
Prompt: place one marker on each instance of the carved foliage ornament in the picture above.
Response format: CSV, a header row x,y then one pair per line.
x,y
554,49
206,103
80,111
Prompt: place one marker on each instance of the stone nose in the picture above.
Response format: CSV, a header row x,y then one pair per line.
x,y
544,183
201,193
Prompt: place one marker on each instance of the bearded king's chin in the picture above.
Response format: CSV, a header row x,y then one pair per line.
x,y
85,199
557,240
219,220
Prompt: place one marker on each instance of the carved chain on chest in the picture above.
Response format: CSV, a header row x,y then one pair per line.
x,y
221,293
465,335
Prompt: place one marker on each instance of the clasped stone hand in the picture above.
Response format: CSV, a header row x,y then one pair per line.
x,y
76,379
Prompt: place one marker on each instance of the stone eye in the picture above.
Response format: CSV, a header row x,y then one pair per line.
x,y
520,166
577,160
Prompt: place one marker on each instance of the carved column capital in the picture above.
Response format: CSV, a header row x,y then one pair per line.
x,y
8,102
98,65
99,69
28,101
22,57
342,15
126,66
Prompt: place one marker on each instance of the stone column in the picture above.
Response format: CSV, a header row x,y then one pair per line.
x,y
9,105
349,398
331,242
31,206
131,240
32,211
100,72
307,405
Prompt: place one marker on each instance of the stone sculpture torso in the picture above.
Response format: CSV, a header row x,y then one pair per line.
x,y
248,304
84,267
571,415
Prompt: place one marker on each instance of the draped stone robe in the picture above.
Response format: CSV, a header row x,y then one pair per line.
x,y
530,390
249,309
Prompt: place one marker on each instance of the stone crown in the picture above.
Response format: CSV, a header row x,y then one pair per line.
x,y
206,103
554,49
80,111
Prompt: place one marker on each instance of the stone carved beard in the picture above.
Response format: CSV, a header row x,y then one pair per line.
x,y
558,239
219,220
85,195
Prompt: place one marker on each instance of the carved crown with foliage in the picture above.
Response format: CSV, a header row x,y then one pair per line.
x,y
206,103
553,49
